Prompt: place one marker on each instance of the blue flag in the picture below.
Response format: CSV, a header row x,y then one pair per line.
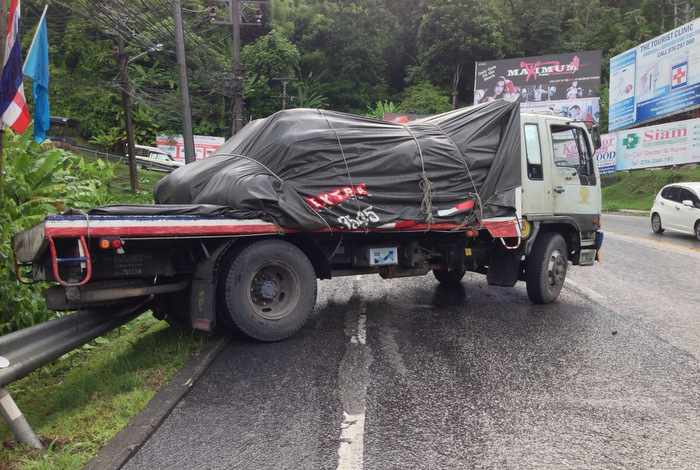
x,y
36,67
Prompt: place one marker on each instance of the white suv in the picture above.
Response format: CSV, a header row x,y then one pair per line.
x,y
677,207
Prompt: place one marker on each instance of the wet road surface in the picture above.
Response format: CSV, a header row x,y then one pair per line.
x,y
407,374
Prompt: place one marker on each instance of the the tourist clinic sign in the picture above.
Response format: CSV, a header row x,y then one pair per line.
x,y
658,78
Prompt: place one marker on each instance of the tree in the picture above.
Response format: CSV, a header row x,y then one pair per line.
x,y
269,58
456,33
424,98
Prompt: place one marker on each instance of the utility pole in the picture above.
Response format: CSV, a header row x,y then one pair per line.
x,y
456,79
284,94
3,45
235,9
184,85
123,59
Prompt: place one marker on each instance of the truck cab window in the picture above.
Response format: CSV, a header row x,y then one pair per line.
x,y
570,149
533,151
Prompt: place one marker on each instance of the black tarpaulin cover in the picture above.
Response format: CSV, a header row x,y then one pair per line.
x,y
310,169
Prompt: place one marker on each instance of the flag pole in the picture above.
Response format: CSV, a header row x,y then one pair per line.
x,y
3,46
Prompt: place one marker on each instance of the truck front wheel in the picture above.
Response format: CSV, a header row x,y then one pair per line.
x,y
546,266
269,290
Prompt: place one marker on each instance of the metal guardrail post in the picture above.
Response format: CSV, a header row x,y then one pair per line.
x,y
16,421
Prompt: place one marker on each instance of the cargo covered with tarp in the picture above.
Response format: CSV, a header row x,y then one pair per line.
x,y
312,169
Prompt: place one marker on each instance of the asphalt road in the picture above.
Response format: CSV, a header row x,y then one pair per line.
x,y
405,374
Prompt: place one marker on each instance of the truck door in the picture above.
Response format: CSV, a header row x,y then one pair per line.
x,y
536,173
575,187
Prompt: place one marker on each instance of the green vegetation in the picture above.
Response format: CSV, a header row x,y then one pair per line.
x,y
345,55
637,189
40,180
81,401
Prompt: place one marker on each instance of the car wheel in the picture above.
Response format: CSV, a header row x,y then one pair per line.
x,y
697,230
269,290
545,271
656,226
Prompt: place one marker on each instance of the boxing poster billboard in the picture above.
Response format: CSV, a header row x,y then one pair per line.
x,y
566,84
656,79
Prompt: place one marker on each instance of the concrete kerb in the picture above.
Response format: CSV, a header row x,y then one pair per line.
x,y
129,440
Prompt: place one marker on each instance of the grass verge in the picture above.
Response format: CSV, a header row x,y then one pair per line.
x,y
637,189
147,181
82,400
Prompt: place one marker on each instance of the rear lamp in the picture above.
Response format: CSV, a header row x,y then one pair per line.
x,y
104,244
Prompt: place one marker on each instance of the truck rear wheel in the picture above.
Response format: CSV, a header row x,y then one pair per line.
x,y
449,277
546,267
269,290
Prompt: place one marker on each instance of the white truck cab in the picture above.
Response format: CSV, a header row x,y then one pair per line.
x,y
560,180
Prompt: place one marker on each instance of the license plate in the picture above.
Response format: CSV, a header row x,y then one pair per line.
x,y
383,256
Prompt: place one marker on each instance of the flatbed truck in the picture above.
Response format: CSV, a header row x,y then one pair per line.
x,y
255,276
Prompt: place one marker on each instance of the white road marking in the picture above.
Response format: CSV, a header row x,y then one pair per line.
x,y
354,367
585,291
352,440
361,334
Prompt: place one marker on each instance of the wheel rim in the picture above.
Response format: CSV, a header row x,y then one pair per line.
x,y
274,291
697,231
655,223
556,269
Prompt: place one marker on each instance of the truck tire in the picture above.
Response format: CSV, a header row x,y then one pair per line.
x,y
449,277
269,290
545,271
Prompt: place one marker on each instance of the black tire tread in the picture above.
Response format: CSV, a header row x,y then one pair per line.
x,y
536,268
238,265
452,277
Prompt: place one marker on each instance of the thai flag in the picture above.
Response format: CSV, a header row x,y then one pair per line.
x,y
13,105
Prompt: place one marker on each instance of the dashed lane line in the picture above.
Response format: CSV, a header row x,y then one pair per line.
x,y
353,377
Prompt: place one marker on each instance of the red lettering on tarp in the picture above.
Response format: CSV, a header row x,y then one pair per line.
x,y
337,196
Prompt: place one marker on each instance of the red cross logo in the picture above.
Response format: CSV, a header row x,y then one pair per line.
x,y
678,76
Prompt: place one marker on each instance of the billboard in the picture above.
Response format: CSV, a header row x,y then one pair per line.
x,y
606,155
676,143
566,84
204,145
658,78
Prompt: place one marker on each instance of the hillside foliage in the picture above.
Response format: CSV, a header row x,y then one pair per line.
x,y
337,54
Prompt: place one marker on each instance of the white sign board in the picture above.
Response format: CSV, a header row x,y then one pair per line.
x,y
658,78
676,143
606,155
204,145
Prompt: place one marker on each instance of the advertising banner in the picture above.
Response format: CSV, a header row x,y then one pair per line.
x,y
566,84
658,78
606,155
675,143
204,145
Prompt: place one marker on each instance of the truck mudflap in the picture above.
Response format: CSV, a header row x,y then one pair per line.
x,y
502,227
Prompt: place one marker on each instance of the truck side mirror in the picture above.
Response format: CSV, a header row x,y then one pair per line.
x,y
595,136
688,203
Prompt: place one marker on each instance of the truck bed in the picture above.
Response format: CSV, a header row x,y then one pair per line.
x,y
194,221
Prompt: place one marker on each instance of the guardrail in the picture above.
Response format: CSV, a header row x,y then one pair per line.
x,y
26,350
140,161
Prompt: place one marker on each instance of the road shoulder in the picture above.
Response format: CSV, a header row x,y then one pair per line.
x,y
130,439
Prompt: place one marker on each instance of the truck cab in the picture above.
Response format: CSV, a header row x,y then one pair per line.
x,y
560,181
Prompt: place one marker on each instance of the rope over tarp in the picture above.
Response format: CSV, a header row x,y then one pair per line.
x,y
309,169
